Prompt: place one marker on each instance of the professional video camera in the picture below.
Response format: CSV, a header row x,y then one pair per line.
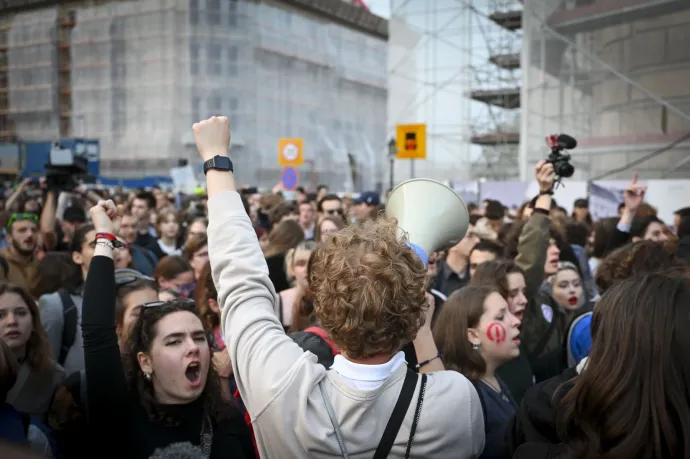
x,y
561,161
65,168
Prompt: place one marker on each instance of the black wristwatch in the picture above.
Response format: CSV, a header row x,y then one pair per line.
x,y
219,163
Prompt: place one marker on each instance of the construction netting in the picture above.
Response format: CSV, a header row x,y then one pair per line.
x,y
614,78
143,71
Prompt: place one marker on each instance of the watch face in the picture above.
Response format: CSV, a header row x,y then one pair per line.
x,y
222,163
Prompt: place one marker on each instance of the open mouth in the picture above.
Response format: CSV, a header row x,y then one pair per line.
x,y
193,373
572,300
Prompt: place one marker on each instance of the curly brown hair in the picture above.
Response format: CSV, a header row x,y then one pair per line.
x,y
635,259
368,288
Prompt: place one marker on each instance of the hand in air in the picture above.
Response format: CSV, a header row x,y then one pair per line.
x,y
634,195
212,137
545,175
106,217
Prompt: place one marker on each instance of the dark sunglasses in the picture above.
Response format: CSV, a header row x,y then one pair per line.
x,y
20,218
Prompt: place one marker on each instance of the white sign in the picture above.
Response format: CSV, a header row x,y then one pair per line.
x,y
290,152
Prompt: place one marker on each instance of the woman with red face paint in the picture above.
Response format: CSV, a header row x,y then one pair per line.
x,y
476,333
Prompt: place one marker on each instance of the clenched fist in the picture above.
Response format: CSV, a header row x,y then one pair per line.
x,y
212,137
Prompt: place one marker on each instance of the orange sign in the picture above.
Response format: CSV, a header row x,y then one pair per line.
x,y
290,152
411,141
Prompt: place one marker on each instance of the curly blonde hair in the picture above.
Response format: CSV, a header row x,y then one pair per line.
x,y
368,289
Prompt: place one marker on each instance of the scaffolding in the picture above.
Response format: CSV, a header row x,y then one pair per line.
x,y
137,74
613,74
464,72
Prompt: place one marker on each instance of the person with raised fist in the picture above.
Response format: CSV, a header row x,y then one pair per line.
x,y
369,298
163,389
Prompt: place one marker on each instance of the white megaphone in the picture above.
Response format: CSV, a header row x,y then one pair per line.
x,y
430,213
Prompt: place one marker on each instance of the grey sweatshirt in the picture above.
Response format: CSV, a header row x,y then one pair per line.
x,y
279,382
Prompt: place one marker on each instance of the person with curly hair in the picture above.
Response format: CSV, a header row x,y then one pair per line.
x,y
369,297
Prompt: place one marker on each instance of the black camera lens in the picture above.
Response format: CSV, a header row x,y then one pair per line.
x,y
565,169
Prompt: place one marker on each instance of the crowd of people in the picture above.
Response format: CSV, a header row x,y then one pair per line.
x,y
246,325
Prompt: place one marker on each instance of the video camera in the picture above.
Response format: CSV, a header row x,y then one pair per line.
x,y
65,168
561,161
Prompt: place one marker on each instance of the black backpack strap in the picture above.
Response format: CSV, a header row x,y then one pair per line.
x,y
482,402
69,325
5,266
398,415
417,413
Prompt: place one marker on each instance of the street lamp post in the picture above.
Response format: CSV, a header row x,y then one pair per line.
x,y
392,152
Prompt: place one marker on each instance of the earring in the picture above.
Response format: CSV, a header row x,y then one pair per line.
x,y
147,376
475,346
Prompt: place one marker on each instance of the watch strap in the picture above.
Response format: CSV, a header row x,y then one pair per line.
x,y
212,164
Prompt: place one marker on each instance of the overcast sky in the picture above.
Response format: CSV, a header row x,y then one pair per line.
x,y
380,7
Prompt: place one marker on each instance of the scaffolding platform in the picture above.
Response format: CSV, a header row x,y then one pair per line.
x,y
503,98
496,138
509,20
608,13
506,61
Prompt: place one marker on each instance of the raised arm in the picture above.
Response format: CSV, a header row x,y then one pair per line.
x,y
262,355
534,239
106,386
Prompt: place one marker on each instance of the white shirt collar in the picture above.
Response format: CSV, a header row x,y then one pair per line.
x,y
366,377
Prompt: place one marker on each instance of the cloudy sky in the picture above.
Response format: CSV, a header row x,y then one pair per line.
x,y
380,7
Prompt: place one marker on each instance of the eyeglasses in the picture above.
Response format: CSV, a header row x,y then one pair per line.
x,y
21,217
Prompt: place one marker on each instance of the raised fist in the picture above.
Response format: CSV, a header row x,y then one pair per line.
x,y
212,137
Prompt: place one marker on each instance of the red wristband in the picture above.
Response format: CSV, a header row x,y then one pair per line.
x,y
113,240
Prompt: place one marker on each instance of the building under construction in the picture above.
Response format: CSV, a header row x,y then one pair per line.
x,y
611,73
614,74
137,74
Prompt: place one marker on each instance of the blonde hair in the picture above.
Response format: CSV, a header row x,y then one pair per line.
x,y
304,246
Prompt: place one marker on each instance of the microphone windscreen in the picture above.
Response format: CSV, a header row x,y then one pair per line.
x,y
567,142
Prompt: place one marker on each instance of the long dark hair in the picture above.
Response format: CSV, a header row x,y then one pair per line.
x,y
37,348
495,272
462,311
140,339
632,401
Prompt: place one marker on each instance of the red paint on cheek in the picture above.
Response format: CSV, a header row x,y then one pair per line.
x,y
496,332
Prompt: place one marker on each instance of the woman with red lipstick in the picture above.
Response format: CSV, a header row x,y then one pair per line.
x,y
566,287
476,333
163,389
